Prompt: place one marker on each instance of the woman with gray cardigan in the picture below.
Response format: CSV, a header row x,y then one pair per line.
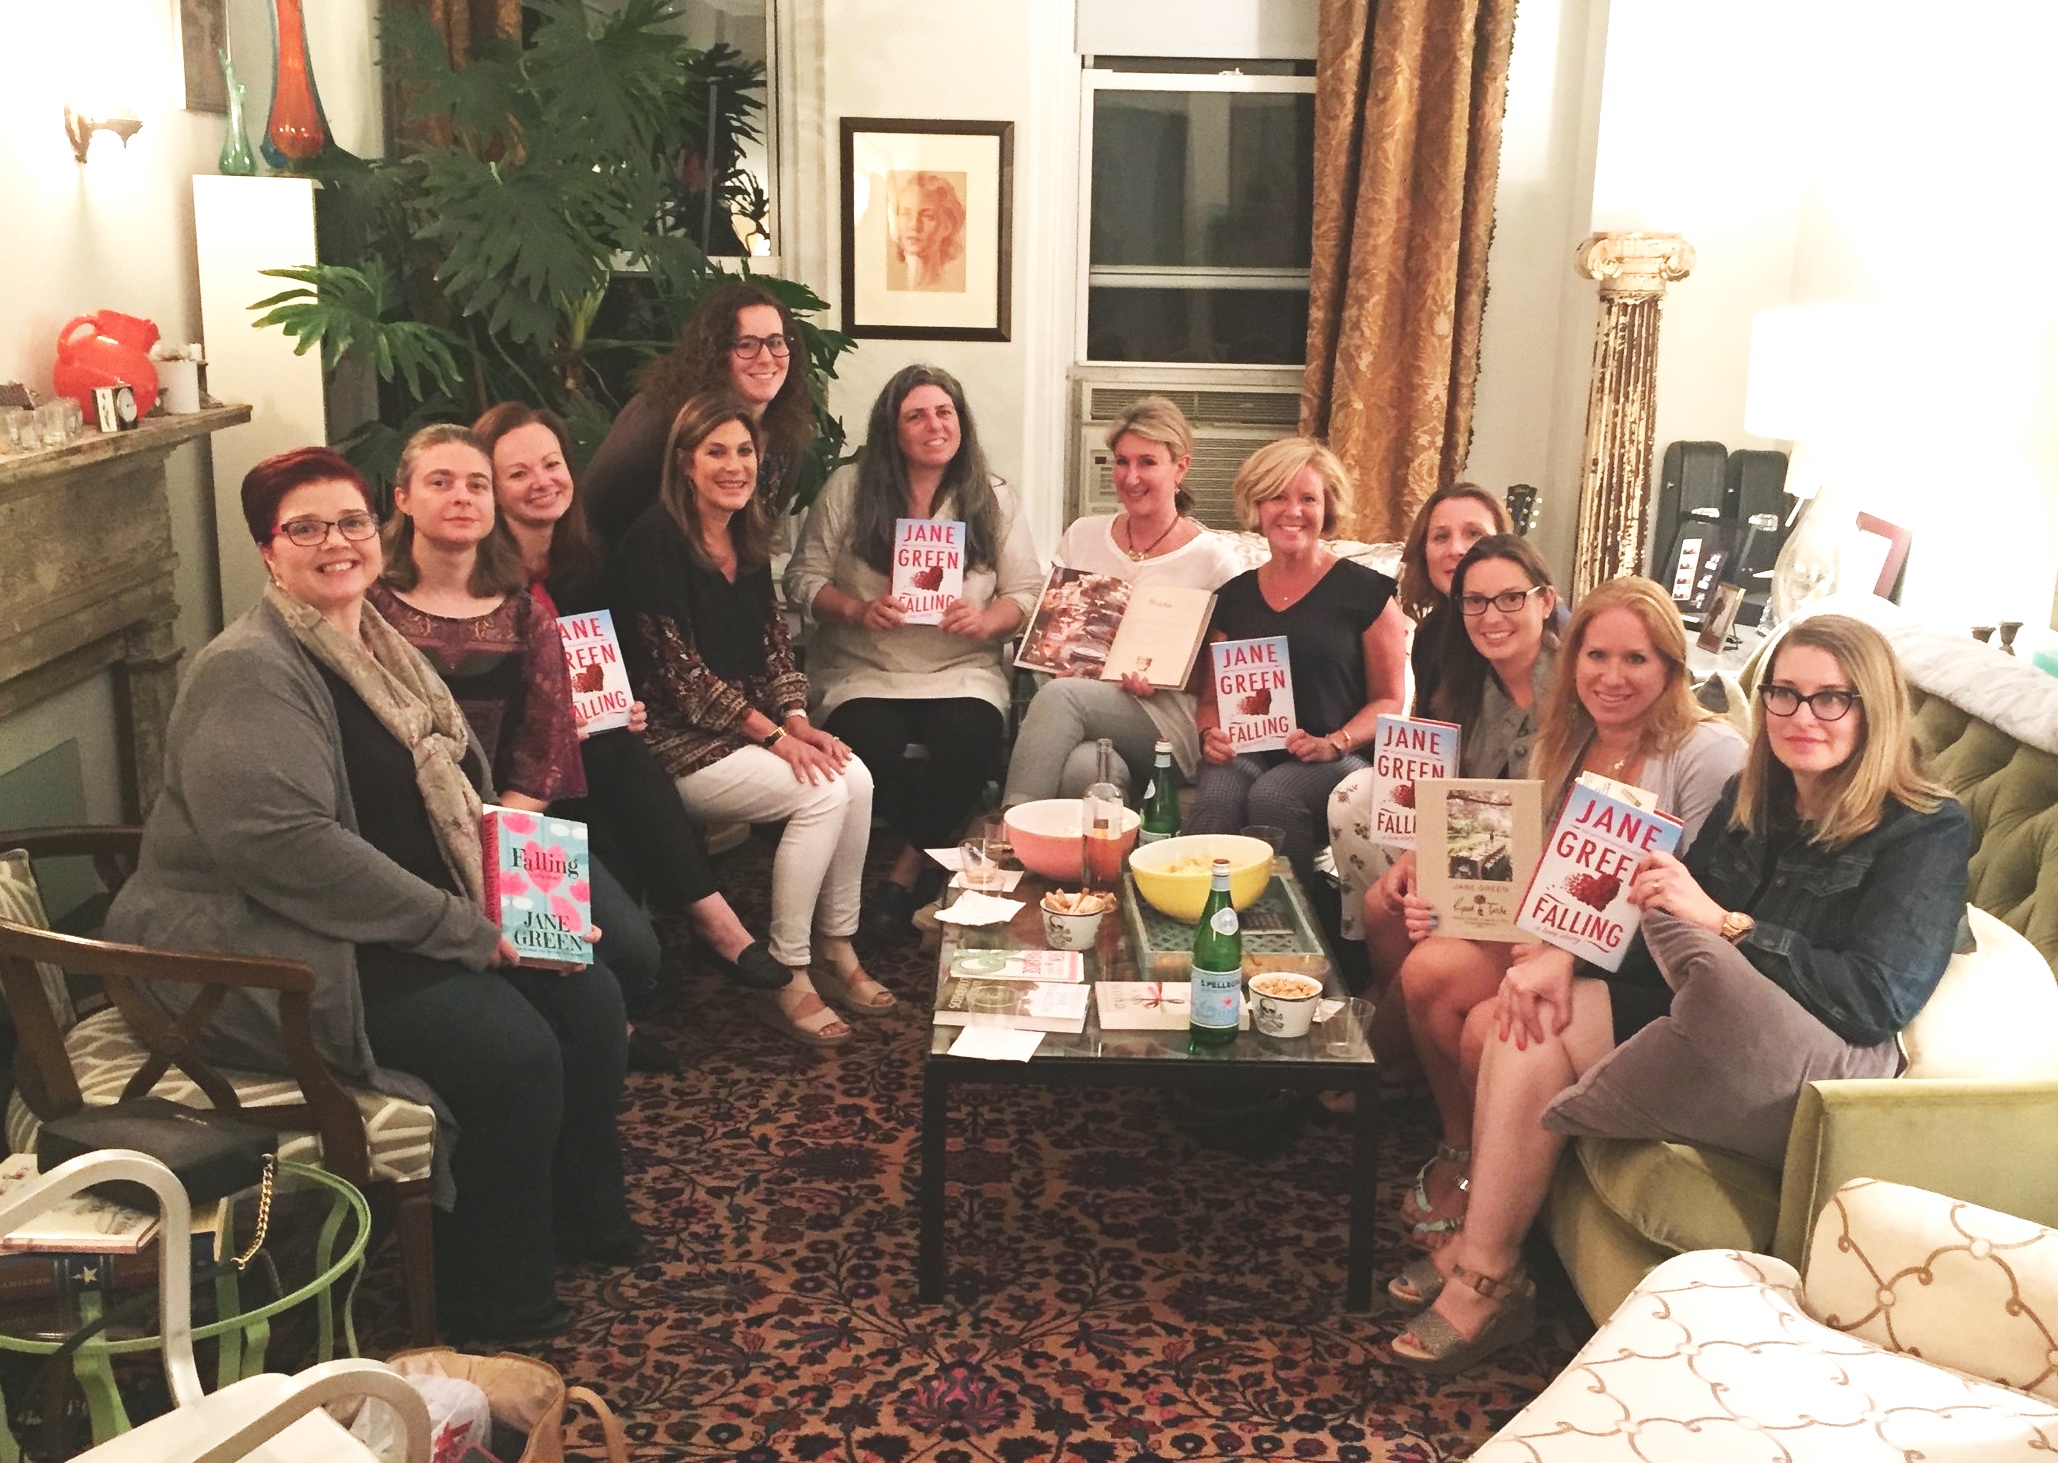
x,y
321,803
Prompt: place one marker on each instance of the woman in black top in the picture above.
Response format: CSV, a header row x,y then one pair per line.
x,y
1344,632
1456,516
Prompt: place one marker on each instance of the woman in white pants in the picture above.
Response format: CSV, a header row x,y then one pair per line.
x,y
708,652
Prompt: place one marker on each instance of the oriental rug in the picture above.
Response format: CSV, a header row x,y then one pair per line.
x,y
1117,1290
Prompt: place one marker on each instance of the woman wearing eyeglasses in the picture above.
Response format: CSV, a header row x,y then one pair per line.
x,y
321,804
741,340
1619,705
1806,926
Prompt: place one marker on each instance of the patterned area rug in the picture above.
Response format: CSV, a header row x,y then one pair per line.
x,y
1117,1289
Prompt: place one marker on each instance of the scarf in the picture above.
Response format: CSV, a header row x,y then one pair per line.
x,y
410,701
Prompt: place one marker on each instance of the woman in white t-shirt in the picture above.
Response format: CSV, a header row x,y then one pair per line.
x,y
1151,541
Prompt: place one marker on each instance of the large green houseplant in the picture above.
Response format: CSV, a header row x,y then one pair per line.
x,y
535,238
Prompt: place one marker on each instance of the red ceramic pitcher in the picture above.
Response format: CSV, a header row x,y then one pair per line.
x,y
117,353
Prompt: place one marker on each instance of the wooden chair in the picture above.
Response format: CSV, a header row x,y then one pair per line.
x,y
377,1142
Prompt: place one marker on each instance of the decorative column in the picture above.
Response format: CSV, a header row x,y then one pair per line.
x,y
1622,399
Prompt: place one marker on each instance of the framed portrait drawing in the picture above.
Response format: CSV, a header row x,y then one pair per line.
x,y
927,224
203,34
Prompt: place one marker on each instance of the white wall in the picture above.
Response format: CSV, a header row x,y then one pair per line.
x,y
1811,151
117,233
994,60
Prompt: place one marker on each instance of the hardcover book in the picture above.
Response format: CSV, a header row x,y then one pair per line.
x,y
1150,1005
928,567
1106,626
1404,751
1476,844
1578,898
600,681
1254,692
1054,967
538,885
1024,1005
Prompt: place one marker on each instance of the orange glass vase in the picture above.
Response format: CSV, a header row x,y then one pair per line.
x,y
296,131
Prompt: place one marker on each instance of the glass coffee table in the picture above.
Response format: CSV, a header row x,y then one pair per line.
x,y
1133,946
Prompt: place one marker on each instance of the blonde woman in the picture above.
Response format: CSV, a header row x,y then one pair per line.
x,y
1151,541
1621,705
1345,638
1805,927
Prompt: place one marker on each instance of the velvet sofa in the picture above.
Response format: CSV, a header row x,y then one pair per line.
x,y
1975,1116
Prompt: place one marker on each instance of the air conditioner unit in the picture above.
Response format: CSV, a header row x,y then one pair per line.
x,y
1229,424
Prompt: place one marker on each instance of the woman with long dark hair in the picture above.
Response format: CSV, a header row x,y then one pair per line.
x,y
882,684
741,340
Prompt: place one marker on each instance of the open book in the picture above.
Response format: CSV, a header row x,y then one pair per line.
x,y
1106,626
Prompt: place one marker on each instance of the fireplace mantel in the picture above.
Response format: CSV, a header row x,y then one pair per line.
x,y
86,585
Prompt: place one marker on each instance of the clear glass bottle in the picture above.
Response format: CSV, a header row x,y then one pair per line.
x,y
1102,814
1216,994
1161,799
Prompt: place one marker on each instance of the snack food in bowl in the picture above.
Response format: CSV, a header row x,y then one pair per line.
x,y
1172,874
1045,836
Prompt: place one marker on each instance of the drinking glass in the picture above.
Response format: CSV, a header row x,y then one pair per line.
x,y
983,854
18,430
73,415
50,420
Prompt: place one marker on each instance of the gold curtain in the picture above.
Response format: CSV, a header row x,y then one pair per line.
x,y
467,22
1408,102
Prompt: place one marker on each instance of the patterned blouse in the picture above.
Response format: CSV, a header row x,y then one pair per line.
x,y
703,653
507,670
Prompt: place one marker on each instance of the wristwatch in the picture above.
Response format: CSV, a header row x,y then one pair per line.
x,y
771,738
1735,925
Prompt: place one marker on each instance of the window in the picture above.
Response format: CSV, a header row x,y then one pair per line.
x,y
1199,213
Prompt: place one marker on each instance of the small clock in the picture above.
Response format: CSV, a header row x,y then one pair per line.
x,y
114,408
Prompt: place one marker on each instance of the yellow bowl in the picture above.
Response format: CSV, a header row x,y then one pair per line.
x,y
1173,873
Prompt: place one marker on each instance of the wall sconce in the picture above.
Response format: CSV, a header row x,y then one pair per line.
x,y
80,129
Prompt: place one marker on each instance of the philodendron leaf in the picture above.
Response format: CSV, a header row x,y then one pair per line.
x,y
344,309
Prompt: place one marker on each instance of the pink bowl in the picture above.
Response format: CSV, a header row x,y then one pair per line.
x,y
1045,836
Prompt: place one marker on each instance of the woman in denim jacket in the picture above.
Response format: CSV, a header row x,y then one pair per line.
x,y
1835,867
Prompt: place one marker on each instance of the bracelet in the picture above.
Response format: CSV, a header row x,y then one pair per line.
x,y
772,738
1348,740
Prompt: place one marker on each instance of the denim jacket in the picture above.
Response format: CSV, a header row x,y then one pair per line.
x,y
1859,935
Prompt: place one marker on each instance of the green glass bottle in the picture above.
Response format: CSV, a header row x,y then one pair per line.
x,y
1217,991
1161,799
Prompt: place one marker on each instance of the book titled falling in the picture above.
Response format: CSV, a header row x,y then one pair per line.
x,y
1023,1004
1053,967
1107,626
1404,751
1476,844
1578,899
928,567
600,681
1254,693
539,885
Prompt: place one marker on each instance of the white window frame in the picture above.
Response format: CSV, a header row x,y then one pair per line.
x,y
1095,80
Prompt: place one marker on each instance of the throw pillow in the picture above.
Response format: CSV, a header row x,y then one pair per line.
x,y
1994,1014
1724,1069
22,902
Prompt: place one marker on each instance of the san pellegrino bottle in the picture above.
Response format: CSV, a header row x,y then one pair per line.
x,y
1161,799
1217,991
1102,816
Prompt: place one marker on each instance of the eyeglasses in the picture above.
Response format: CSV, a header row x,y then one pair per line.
x,y
312,533
746,347
1831,705
1506,602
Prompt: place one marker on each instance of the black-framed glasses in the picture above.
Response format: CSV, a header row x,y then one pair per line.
x,y
746,347
312,533
1507,602
1833,704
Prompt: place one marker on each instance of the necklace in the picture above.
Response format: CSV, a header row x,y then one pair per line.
x,y
1136,555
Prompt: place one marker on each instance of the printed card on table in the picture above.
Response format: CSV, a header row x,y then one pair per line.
x,y
1254,693
600,681
928,567
1578,899
539,885
1404,751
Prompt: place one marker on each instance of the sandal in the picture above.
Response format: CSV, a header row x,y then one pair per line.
x,y
805,1023
1418,1284
1441,1347
856,993
1433,1233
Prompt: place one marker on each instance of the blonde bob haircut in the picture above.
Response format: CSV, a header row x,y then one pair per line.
x,y
1266,472
1886,764
1157,419
1568,727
